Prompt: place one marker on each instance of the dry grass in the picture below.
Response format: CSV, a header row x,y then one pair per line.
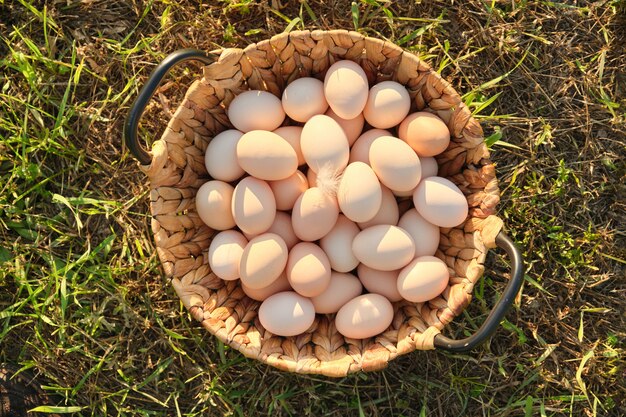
x,y
82,301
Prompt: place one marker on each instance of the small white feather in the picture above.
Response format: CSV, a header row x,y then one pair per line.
x,y
328,179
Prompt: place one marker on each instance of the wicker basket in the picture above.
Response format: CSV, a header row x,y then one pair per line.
x,y
176,170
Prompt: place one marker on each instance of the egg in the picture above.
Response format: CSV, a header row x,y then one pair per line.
x,y
220,158
361,149
429,166
359,194
383,247
287,314
388,103
213,200
423,279
287,191
304,98
346,88
308,269
324,143
263,260
283,228
364,316
424,234
253,206
427,134
342,288
384,283
280,284
256,110
395,163
225,253
440,202
387,213
266,156
292,135
314,214
337,245
351,127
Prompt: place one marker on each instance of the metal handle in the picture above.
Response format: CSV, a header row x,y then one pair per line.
x,y
146,93
501,307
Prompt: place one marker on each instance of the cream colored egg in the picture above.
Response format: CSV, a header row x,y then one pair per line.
x,y
384,247
263,260
225,253
308,269
359,194
364,316
342,288
220,158
346,88
287,191
337,245
424,234
440,202
429,166
388,103
384,283
304,98
387,213
395,163
423,279
427,134
280,284
314,214
266,156
351,127
213,200
324,143
361,149
256,110
287,314
292,135
253,206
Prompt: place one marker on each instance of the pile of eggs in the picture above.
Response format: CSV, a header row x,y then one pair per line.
x,y
323,217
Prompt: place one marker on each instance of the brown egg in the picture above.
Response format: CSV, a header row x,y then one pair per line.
x,y
384,283
342,288
287,191
280,284
364,316
423,279
263,260
426,133
308,269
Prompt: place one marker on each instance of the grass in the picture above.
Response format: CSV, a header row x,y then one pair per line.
x,y
84,306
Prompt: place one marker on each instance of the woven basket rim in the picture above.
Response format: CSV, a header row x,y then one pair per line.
x,y
177,170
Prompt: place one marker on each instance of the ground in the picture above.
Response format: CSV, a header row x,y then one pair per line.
x,y
84,305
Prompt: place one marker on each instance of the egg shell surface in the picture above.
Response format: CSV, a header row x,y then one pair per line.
x,y
225,253
220,157
359,194
213,200
440,202
384,283
263,260
280,284
388,103
314,214
292,135
256,110
287,191
308,269
304,98
253,206
267,156
395,163
387,213
351,127
423,279
346,88
384,247
364,316
361,149
424,234
426,133
324,143
287,313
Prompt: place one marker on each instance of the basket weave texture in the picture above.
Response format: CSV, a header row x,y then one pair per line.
x,y
182,239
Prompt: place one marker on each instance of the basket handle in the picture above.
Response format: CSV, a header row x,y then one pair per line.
x,y
146,93
499,310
